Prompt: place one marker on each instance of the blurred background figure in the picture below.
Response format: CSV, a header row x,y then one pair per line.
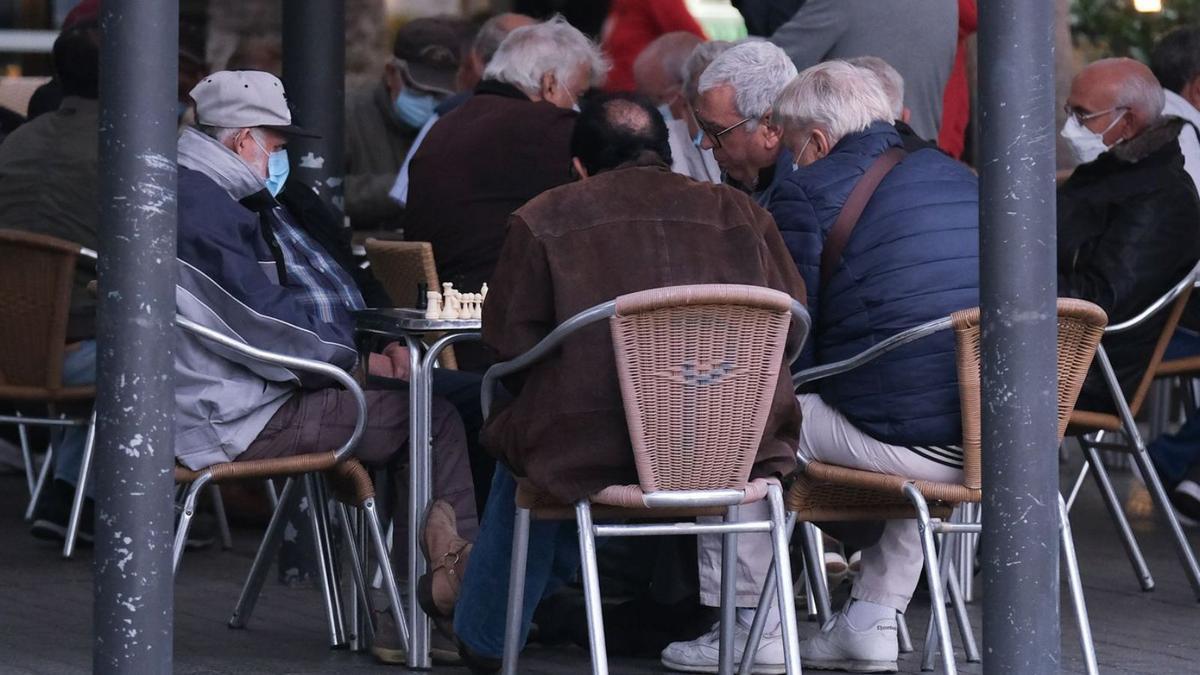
x,y
634,24
659,72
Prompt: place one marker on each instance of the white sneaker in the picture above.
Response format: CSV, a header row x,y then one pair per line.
x,y
702,654
840,646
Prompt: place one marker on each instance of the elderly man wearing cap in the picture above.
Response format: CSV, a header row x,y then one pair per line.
x,y
383,120
247,270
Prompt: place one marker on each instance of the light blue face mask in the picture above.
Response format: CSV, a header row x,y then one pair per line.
x,y
698,139
277,168
414,109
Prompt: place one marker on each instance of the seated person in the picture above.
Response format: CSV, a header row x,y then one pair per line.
x,y
247,270
48,185
911,258
893,86
630,224
1128,226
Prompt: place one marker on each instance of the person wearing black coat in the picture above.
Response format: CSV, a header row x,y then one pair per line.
x,y
1129,219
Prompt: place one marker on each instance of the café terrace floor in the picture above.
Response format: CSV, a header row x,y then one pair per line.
x,y
45,607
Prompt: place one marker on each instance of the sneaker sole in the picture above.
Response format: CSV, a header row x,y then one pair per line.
x,y
392,657
852,666
759,668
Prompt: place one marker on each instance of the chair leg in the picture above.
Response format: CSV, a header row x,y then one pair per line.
x,y
1140,569
1075,584
783,575
85,472
728,608
516,592
38,487
814,563
1079,480
961,617
385,566
263,557
360,600
185,520
272,495
932,576
318,522
214,492
591,588
902,634
1187,557
27,456
765,599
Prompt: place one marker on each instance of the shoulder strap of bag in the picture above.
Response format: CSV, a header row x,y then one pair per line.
x,y
860,196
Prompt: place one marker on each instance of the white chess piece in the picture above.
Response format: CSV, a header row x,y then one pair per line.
x,y
476,306
451,310
483,293
447,291
433,309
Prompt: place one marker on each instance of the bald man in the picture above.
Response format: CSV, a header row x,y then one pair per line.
x,y
659,75
1129,216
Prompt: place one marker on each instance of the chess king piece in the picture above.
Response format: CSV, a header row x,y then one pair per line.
x,y
433,309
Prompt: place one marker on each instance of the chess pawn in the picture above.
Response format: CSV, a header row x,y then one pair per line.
x,y
479,305
473,304
433,309
451,310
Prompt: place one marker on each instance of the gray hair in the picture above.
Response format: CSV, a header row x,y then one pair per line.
x,y
220,134
889,78
555,46
695,65
1140,91
490,36
836,96
757,70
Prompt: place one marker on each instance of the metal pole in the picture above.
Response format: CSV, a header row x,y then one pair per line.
x,y
314,72
135,400
1017,292
314,65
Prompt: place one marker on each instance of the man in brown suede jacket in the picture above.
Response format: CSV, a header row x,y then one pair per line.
x,y
630,224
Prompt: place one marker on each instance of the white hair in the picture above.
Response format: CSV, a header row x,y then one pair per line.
x,y
221,134
838,97
1141,92
757,70
889,78
699,61
555,46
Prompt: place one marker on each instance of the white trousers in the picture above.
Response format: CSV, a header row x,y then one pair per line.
x,y
890,568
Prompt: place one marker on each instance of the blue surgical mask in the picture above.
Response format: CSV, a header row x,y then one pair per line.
x,y
414,109
698,139
278,168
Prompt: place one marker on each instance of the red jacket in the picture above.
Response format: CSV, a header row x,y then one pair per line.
x,y
956,104
633,24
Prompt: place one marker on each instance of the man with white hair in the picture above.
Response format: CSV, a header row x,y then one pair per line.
x,y
503,147
1128,217
659,74
736,93
896,245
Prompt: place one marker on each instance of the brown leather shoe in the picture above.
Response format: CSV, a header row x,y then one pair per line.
x,y
446,556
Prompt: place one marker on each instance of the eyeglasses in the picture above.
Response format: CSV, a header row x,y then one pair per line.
x,y
1082,115
715,137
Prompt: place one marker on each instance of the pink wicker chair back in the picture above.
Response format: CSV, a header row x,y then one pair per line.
x,y
698,367
36,272
1080,328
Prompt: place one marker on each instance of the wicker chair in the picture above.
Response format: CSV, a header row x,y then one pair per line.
x,y
400,266
350,483
698,367
36,277
827,493
1091,427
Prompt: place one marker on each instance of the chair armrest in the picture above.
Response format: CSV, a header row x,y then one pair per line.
x,y
1185,284
539,351
801,316
868,355
294,363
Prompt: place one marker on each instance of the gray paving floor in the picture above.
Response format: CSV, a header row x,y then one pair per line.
x,y
45,609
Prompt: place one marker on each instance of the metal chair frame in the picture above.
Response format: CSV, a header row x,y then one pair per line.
x,y
1135,446
359,529
941,576
776,526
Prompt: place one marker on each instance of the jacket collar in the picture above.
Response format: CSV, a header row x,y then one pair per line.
x,y
498,88
200,152
644,159
872,141
1149,141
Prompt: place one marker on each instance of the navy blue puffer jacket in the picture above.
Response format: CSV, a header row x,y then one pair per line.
x,y
912,258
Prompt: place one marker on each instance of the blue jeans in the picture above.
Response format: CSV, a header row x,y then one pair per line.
x,y
1174,454
483,601
79,368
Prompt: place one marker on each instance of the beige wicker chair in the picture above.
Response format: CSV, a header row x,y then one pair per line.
x,y
37,273
828,493
698,367
1091,428
400,266
350,483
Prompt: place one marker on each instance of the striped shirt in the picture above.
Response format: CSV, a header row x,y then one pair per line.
x,y
327,285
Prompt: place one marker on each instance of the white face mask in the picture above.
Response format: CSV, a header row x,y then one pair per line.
x,y
796,157
1086,144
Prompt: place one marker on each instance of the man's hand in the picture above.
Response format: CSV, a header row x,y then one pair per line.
x,y
393,362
